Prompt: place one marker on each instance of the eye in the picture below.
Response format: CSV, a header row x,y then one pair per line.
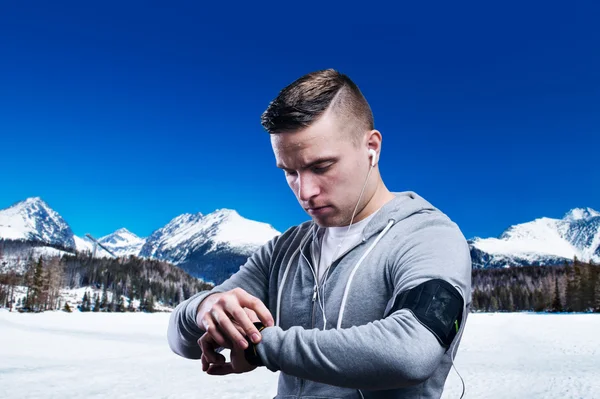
x,y
321,169
289,172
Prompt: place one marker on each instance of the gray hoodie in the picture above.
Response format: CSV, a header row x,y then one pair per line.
x,y
367,349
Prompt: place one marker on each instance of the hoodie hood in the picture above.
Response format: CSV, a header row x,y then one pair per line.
x,y
406,204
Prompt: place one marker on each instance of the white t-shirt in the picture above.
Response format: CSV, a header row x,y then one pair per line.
x,y
334,237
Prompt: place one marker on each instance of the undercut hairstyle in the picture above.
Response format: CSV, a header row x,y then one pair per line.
x,y
306,99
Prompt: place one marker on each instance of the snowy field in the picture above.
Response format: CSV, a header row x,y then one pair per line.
x,y
112,355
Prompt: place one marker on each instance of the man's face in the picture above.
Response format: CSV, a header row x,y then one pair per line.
x,y
324,169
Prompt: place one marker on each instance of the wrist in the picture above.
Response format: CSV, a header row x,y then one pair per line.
x,y
251,352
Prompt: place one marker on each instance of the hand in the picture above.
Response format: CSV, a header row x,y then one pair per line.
x,y
221,314
214,363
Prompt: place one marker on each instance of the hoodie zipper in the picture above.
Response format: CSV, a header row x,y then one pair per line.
x,y
315,284
314,297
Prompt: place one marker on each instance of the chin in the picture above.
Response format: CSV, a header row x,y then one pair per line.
x,y
326,222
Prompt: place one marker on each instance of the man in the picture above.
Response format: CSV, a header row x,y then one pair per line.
x,y
368,299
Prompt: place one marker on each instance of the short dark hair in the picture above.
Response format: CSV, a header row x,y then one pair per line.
x,y
303,101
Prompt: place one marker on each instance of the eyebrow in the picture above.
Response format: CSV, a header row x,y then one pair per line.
x,y
313,163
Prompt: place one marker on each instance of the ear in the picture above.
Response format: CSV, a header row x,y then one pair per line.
x,y
374,142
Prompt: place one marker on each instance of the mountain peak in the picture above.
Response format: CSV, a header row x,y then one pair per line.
x,y
122,233
581,214
32,219
32,201
225,212
123,242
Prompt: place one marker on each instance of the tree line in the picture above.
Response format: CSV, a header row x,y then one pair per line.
x,y
146,280
571,287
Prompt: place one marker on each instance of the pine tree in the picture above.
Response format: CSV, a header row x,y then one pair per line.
x,y
475,301
28,282
104,301
96,303
577,289
37,286
527,300
574,300
85,303
556,305
539,304
586,289
45,295
121,305
511,304
149,306
493,304
112,306
130,307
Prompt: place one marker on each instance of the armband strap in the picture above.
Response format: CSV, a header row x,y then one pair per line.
x,y
437,305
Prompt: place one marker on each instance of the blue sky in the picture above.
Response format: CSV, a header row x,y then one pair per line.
x,y
129,114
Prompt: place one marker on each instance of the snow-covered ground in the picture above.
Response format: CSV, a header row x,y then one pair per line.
x,y
114,355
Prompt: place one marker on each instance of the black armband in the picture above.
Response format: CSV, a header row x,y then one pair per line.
x,y
437,305
250,353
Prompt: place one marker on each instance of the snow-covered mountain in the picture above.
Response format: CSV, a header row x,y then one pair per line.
x,y
543,241
33,220
211,247
123,243
43,229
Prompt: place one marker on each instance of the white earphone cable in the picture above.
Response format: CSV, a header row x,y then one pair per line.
x,y
333,259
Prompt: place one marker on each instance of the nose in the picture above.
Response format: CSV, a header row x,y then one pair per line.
x,y
308,186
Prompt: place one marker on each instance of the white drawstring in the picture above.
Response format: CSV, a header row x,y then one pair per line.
x,y
349,283
285,273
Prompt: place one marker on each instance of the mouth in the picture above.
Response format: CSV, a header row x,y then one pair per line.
x,y
318,210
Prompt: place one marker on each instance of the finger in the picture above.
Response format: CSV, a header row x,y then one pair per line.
x,y
251,315
220,369
238,327
241,317
211,327
256,305
205,363
208,346
231,332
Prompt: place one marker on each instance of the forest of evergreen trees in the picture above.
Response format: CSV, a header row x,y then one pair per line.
x,y
572,287
148,281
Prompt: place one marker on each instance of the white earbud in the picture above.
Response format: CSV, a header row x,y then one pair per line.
x,y
373,155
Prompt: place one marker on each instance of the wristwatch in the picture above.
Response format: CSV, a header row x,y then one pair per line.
x,y
250,353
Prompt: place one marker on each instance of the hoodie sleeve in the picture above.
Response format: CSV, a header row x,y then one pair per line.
x,y
393,352
183,332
